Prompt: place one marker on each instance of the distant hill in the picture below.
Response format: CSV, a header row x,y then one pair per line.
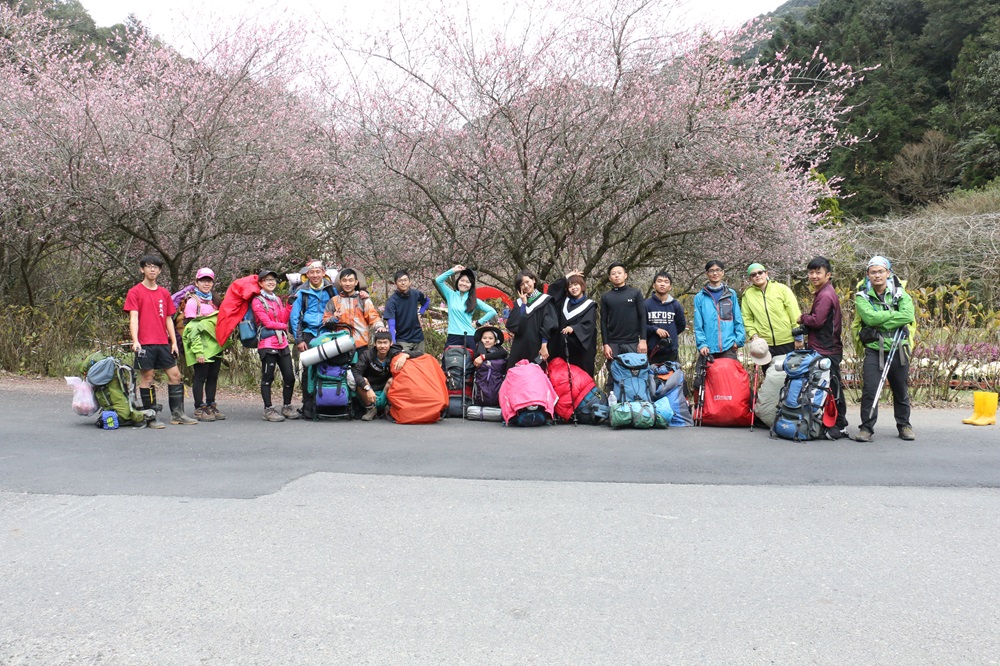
x,y
794,9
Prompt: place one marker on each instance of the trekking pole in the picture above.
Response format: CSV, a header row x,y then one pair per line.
x,y
465,379
569,374
896,338
753,406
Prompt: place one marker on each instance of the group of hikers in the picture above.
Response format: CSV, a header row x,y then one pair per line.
x,y
559,322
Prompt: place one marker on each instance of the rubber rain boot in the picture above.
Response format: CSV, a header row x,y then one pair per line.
x,y
148,398
984,409
175,394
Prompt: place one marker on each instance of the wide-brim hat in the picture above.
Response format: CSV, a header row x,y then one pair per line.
x,y
757,348
496,331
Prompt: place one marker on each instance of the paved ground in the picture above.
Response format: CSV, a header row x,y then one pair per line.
x,y
299,543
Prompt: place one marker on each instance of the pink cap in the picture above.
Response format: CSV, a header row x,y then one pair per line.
x,y
205,272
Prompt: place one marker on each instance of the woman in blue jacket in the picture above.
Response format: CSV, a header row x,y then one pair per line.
x,y
463,306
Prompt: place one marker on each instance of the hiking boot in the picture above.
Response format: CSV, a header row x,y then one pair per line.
x,y
906,434
151,420
271,414
204,414
833,434
370,413
219,416
864,436
289,412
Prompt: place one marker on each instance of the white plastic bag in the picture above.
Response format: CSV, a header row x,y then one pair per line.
x,y
84,403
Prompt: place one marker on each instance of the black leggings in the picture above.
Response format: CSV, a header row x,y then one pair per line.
x,y
206,380
267,365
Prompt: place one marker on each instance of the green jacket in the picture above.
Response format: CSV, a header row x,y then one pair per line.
x,y
894,310
771,313
199,339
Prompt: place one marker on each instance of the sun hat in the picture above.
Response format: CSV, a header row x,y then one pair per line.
x,y
757,348
496,331
203,273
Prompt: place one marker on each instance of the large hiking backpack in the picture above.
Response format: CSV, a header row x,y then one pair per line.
x,y
488,379
114,386
418,393
769,392
668,393
727,394
799,416
631,380
526,396
586,398
331,381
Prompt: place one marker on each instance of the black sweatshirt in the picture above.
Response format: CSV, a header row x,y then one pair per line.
x,y
623,316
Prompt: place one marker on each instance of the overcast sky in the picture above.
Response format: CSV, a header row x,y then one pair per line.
x,y
166,18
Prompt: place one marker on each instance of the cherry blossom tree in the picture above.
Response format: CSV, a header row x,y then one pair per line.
x,y
596,136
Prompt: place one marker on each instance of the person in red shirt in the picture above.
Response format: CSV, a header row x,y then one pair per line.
x,y
154,341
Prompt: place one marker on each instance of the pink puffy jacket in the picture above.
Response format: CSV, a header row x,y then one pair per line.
x,y
273,315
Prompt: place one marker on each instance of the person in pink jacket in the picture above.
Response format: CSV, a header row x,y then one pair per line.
x,y
272,322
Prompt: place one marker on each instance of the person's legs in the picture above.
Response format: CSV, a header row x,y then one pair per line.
x,y
268,363
898,380
202,411
837,385
288,385
871,374
412,346
308,396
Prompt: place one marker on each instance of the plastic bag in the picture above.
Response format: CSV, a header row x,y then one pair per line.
x,y
84,403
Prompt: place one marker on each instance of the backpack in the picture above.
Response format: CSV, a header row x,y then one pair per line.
x,y
418,393
249,328
636,414
592,408
526,390
727,394
487,381
565,376
331,381
807,388
114,387
668,394
769,392
631,380
458,369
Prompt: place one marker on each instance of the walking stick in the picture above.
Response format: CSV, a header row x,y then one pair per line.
x,y
700,374
753,406
896,338
465,379
569,374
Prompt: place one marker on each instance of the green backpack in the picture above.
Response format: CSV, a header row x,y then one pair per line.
x,y
116,394
636,414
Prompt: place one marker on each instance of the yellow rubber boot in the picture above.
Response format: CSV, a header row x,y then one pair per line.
x,y
988,411
977,408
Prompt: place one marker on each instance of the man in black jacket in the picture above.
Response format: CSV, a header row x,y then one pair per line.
x,y
623,316
373,372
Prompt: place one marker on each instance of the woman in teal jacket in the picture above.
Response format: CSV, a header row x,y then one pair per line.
x,y
462,306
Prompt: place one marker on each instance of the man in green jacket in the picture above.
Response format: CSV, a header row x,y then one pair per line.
x,y
770,311
883,307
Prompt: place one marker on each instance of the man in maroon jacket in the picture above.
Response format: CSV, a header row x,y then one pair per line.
x,y
822,322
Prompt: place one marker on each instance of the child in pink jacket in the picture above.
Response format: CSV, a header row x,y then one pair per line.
x,y
272,321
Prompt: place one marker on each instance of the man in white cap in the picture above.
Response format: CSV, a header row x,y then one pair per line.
x,y
882,308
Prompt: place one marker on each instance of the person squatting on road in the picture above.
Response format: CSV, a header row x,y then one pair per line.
x,y
884,313
373,372
154,341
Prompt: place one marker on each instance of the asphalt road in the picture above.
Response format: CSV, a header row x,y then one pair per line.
x,y
244,542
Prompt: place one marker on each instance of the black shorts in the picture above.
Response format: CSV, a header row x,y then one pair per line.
x,y
154,357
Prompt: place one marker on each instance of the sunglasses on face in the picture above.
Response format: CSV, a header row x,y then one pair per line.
x,y
757,274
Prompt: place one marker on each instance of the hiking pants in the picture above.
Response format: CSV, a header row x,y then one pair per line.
x,y
282,361
206,380
837,384
899,375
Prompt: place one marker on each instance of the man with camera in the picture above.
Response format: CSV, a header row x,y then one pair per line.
x,y
885,312
823,325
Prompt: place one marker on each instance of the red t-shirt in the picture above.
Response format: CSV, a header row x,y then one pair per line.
x,y
153,306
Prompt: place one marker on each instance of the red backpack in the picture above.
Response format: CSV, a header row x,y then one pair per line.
x,y
727,394
582,383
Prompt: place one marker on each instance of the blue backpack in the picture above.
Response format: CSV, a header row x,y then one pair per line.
x,y
631,380
668,394
803,398
249,328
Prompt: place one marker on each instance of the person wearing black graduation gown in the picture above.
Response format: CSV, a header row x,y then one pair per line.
x,y
532,320
577,322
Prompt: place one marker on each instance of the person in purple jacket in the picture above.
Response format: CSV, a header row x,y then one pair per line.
x,y
822,323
